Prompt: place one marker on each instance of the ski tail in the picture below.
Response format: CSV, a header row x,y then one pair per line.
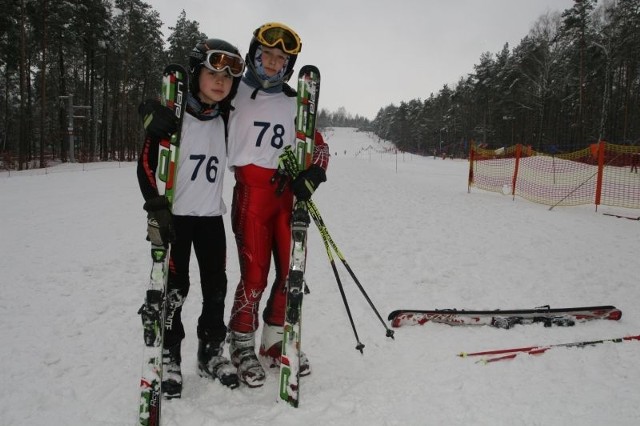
x,y
307,107
505,318
173,95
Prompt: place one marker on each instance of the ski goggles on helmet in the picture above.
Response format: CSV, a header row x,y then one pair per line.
x,y
219,60
280,36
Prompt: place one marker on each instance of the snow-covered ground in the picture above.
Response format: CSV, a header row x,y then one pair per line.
x,y
74,265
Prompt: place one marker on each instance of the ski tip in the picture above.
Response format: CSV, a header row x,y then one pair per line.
x,y
615,315
308,69
173,68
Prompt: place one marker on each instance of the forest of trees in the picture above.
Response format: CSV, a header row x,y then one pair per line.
x,y
107,54
574,79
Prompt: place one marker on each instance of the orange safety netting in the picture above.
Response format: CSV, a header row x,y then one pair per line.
x,y
601,174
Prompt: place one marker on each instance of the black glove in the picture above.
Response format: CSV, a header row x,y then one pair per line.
x,y
307,182
159,121
159,221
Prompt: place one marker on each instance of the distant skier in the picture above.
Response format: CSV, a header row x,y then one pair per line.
x,y
195,218
260,127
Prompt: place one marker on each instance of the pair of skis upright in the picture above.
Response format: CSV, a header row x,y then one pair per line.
x,y
174,96
308,92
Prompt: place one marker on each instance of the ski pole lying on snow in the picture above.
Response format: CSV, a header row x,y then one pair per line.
x,y
504,354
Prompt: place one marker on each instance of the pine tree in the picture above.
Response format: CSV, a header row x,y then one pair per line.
x,y
183,38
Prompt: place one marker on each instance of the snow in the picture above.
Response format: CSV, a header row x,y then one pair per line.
x,y
75,266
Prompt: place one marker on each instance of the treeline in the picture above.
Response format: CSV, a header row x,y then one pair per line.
x,y
341,118
574,79
99,56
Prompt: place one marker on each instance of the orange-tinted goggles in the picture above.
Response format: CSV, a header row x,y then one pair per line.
x,y
219,60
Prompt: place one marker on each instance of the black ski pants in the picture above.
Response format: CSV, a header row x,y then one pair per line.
x,y
207,236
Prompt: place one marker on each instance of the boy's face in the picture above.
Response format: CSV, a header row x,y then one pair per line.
x,y
214,86
273,60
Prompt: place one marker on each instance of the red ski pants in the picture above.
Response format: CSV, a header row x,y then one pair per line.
x,y
261,224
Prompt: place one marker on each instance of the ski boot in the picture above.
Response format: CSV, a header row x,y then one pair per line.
x,y
271,349
213,365
243,356
171,374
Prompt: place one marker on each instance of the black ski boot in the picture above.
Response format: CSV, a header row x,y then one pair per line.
x,y
171,374
213,365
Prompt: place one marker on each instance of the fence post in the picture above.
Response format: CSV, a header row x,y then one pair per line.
x,y
601,151
515,170
472,147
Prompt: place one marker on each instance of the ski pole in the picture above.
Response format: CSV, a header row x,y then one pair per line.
x,y
535,350
324,232
289,165
497,351
359,346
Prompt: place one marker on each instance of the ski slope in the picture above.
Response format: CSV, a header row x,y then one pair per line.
x,y
75,266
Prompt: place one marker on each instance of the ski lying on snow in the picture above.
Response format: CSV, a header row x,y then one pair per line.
x,y
505,318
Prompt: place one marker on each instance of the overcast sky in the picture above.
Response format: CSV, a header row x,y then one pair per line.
x,y
372,53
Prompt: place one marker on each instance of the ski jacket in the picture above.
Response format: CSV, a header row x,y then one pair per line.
x,y
261,127
200,170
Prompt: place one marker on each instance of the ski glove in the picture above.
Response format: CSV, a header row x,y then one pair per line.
x,y
159,121
307,181
159,222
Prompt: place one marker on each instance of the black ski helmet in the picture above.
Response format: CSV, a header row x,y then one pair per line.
x,y
253,46
198,55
